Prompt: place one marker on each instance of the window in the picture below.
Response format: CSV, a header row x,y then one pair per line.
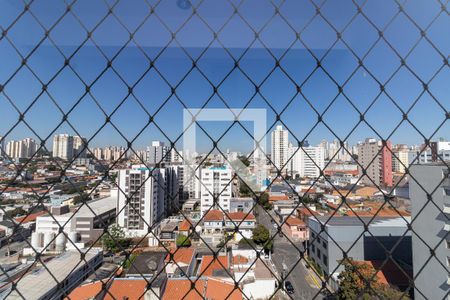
x,y
325,260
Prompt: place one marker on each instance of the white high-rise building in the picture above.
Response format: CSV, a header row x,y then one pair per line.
x,y
280,146
146,194
98,153
176,156
216,188
63,146
21,149
306,161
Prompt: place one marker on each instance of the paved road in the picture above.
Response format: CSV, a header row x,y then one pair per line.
x,y
285,258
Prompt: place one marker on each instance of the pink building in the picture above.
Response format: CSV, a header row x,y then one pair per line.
x,y
296,229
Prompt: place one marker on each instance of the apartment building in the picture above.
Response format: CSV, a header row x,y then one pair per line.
x,y
431,229
142,198
25,148
63,146
376,160
306,161
280,149
400,158
216,188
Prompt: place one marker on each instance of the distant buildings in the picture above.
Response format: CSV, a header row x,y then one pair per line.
x,y
157,153
2,146
111,153
66,146
25,148
216,188
431,229
400,158
376,161
280,144
306,161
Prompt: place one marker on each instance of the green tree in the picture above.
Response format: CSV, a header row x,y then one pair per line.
x,y
357,281
183,241
261,236
264,201
115,240
81,198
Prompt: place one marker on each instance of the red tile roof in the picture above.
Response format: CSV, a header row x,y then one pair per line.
x,y
213,215
29,218
293,221
239,259
219,289
184,225
181,289
239,216
86,291
278,197
211,288
181,255
126,289
210,264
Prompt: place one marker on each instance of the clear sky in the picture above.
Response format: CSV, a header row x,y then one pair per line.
x,y
172,62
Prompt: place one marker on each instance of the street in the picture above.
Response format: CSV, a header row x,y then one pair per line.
x,y
285,257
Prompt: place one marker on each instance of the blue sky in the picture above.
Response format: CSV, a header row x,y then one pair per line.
x,y
215,63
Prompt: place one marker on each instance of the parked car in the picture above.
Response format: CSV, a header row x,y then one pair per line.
x,y
289,287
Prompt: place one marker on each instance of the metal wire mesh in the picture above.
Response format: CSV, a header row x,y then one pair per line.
x,y
191,82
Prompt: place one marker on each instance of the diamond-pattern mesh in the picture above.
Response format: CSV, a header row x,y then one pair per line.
x,y
283,55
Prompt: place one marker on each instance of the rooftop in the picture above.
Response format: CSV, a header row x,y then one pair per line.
x,y
39,282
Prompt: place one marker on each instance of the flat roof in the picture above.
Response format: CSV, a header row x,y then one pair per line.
x,y
97,206
37,283
355,221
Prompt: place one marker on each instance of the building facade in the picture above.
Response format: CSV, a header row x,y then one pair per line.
x,y
376,159
306,161
279,149
141,199
431,229
216,188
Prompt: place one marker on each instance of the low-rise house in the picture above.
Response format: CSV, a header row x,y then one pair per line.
x,y
245,222
205,288
213,227
179,262
295,229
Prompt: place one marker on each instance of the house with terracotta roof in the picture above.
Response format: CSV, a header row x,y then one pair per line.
x,y
207,288
245,222
119,288
295,229
215,266
213,227
277,196
185,227
180,261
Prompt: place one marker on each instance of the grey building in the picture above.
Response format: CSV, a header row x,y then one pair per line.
x,y
157,153
431,214
241,204
347,234
67,269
